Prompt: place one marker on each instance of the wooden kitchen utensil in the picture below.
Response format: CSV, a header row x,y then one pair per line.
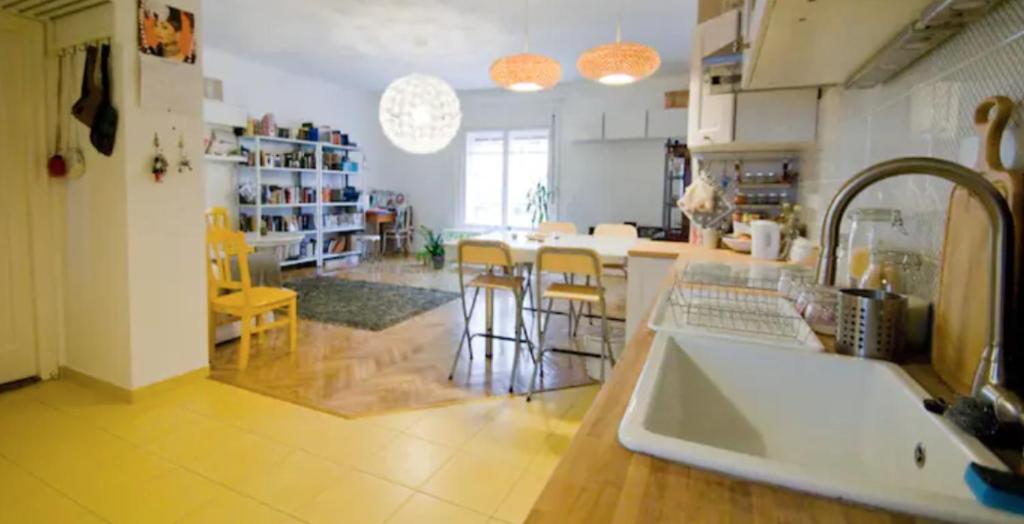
x,y
960,331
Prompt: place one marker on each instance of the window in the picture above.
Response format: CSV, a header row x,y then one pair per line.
x,y
501,167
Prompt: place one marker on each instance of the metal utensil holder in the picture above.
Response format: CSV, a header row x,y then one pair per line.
x,y
870,323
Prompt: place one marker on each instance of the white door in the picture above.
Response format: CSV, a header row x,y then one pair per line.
x,y
17,317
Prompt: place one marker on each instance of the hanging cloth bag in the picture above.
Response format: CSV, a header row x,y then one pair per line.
x,y
91,97
104,126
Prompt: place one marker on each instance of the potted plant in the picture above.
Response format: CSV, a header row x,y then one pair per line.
x,y
433,248
537,200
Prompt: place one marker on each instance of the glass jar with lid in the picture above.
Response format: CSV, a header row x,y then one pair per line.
x,y
873,231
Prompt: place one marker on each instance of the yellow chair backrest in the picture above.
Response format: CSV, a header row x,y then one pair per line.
x,y
485,253
223,247
615,230
566,228
570,260
217,217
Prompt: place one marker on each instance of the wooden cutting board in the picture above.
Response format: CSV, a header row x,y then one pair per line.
x,y
962,312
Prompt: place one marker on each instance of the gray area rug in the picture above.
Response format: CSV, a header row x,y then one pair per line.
x,y
363,305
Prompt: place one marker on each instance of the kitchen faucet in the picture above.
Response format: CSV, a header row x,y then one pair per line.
x,y
988,386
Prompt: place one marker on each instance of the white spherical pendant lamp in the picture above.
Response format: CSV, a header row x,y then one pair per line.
x,y
420,114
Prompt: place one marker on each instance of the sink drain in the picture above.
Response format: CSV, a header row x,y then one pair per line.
x,y
920,456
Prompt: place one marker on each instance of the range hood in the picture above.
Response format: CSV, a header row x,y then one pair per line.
x,y
937,23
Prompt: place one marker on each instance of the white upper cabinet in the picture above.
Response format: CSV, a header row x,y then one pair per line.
x,y
802,43
710,116
666,123
784,115
624,124
584,126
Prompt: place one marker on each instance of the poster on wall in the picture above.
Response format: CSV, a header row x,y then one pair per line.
x,y
168,57
167,32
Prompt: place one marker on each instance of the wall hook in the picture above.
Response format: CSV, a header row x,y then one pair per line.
x,y
184,162
159,161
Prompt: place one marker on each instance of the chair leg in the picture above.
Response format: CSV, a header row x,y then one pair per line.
x,y
538,367
606,341
212,333
590,308
515,358
293,325
466,337
243,346
261,335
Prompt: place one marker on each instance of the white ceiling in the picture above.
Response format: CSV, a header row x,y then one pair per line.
x,y
367,43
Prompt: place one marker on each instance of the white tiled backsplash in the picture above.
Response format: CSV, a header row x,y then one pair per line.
x,y
927,110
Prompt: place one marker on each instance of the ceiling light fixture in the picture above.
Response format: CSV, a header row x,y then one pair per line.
x,y
620,63
526,71
420,114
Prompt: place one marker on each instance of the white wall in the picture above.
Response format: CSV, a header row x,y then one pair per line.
x,y
166,275
926,110
292,99
95,250
135,284
608,181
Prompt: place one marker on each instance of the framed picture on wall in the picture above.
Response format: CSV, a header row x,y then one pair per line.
x,y
167,32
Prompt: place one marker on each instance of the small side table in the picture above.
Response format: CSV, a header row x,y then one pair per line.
x,y
375,218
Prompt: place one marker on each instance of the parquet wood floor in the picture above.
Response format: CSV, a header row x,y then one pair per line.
x,y
356,373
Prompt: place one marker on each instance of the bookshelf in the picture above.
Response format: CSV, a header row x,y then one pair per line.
x,y
286,184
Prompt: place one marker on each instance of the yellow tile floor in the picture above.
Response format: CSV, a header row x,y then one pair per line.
x,y
205,452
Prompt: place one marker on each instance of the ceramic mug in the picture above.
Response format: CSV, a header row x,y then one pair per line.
x,y
766,239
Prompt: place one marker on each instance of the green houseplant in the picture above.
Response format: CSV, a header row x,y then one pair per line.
x,y
537,200
433,248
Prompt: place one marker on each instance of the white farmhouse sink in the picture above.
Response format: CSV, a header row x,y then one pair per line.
x,y
826,424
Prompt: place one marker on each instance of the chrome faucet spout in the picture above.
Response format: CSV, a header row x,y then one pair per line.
x,y
989,377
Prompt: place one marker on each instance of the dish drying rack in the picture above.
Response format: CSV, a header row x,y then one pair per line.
x,y
738,302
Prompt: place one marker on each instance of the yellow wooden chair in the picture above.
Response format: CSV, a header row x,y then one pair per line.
x,y
565,228
617,231
490,255
569,261
217,217
238,298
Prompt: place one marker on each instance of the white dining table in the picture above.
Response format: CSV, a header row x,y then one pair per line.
x,y
612,250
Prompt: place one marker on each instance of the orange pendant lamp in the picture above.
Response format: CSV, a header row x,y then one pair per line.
x,y
526,72
619,63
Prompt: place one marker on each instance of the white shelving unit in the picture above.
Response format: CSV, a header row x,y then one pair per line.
x,y
318,179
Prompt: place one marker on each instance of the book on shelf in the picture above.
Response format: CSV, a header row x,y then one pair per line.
x,y
276,195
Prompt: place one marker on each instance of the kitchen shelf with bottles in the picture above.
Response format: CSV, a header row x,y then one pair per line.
x,y
763,180
293,185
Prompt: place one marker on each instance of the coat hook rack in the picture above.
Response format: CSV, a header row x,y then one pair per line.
x,y
81,46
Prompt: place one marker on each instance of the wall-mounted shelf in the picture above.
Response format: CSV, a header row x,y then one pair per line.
x,y
234,159
773,185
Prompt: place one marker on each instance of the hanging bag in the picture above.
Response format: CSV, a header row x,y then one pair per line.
x,y
104,126
91,97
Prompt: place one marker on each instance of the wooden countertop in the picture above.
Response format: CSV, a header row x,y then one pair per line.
x,y
659,249
598,480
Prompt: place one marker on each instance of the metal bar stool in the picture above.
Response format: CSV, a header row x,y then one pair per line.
x,y
569,261
491,255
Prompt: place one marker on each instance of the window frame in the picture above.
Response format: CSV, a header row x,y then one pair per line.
x,y
505,134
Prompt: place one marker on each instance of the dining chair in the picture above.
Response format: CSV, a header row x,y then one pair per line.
x,y
569,261
234,295
565,228
491,255
401,232
612,231
217,217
